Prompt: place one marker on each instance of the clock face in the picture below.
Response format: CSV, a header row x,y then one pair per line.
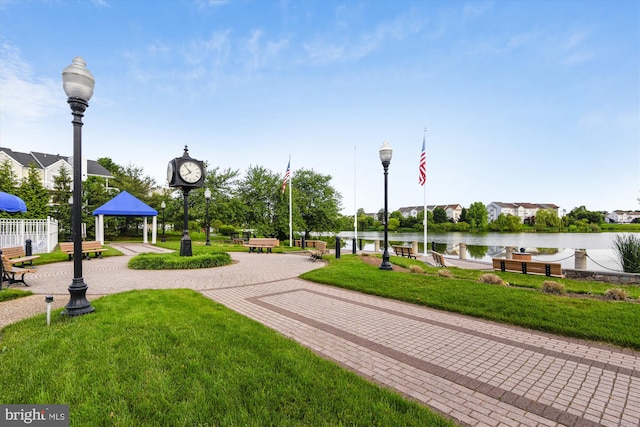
x,y
190,172
170,171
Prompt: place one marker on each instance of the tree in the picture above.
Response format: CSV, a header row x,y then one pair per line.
x,y
223,184
35,196
478,216
259,193
463,215
109,165
95,194
581,212
131,180
317,201
7,181
439,215
547,218
60,196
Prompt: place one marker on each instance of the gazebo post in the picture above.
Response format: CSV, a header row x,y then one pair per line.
x,y
154,229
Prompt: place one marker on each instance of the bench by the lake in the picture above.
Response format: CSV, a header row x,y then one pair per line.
x,y
88,248
16,255
258,244
438,259
321,249
552,269
404,251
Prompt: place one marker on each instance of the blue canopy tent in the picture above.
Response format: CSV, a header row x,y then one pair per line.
x,y
124,204
12,204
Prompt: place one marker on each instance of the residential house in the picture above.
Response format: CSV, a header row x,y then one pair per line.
x,y
453,211
623,217
49,166
524,210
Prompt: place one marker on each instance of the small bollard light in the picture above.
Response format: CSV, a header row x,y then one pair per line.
x,y
48,299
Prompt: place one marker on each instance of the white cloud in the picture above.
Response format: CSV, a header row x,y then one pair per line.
x,y
322,51
23,96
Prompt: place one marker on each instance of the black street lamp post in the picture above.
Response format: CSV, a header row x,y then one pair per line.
x,y
385,158
78,85
207,195
163,205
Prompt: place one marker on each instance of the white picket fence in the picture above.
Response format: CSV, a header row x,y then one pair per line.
x,y
43,233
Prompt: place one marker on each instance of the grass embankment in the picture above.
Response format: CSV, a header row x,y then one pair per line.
x,y
176,358
521,303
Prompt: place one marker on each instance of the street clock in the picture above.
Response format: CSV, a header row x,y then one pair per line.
x,y
186,174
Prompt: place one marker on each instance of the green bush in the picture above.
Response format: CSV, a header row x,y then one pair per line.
x,y
627,248
173,261
226,230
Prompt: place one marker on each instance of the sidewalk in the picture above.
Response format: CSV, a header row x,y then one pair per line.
x,y
476,372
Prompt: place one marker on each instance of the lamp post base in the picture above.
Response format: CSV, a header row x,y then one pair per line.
x,y
185,246
386,265
78,304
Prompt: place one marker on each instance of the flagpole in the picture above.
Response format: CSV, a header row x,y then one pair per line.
x,y
425,219
355,199
290,202
425,201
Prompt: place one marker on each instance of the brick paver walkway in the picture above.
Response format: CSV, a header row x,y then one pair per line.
x,y
478,373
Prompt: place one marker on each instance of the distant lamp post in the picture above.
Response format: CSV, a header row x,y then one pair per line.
x,y
207,195
71,218
78,84
385,158
163,205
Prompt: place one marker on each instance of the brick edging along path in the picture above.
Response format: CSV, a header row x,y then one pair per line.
x,y
473,371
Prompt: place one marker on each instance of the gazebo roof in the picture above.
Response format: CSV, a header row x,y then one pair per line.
x,y
124,204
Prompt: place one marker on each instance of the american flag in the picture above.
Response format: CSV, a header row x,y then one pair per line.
x,y
287,174
422,168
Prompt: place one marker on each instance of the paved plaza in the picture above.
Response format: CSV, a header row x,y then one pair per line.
x,y
476,372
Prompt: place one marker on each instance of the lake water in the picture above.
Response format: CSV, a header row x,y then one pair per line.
x,y
553,247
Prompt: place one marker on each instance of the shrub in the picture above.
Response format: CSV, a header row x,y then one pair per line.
x,y
627,248
491,278
173,261
551,287
416,269
616,294
226,230
443,272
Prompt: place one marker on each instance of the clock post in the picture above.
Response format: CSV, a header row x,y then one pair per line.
x,y
185,173
185,241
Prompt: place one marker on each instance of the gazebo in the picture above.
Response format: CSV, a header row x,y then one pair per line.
x,y
124,204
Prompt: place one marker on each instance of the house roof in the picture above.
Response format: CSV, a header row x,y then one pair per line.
x,y
22,158
44,160
124,204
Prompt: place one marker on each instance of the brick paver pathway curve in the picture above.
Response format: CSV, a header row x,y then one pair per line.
x,y
476,372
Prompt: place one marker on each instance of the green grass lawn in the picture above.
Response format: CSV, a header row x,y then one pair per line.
x,y
176,358
522,304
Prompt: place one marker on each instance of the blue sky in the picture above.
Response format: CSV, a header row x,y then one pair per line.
x,y
523,101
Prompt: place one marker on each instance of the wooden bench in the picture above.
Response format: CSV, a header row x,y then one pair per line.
x,y
321,249
438,259
553,269
17,255
238,241
88,248
307,243
404,251
257,244
13,274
